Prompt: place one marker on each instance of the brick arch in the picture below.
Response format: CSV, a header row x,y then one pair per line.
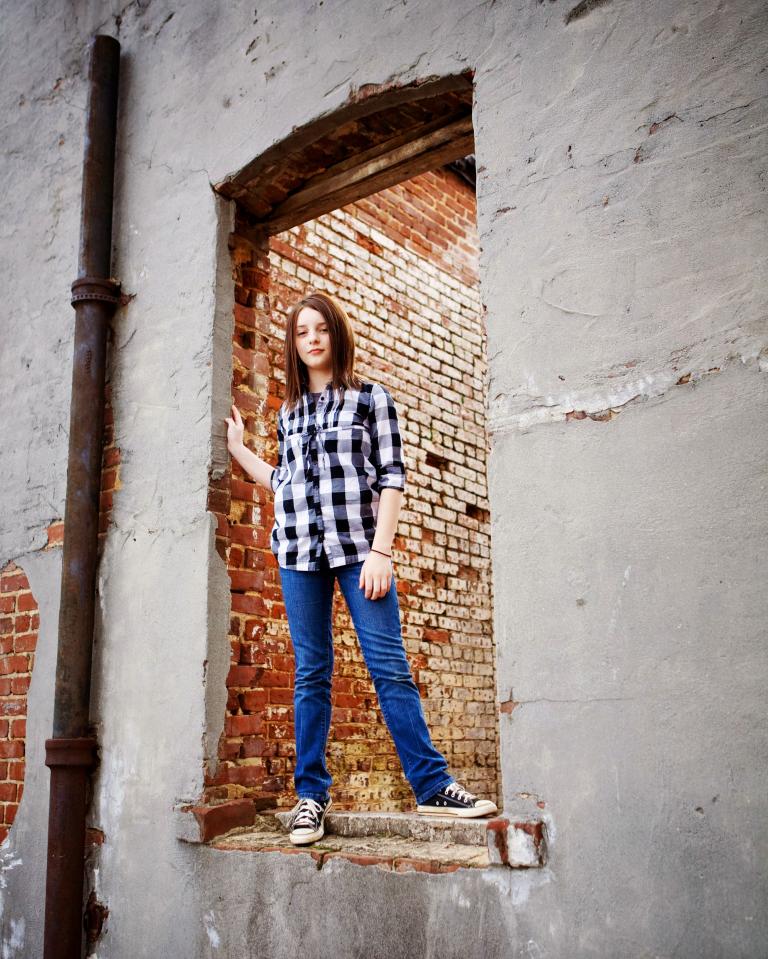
x,y
19,625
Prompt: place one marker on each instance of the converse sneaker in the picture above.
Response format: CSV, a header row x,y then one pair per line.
x,y
307,822
452,800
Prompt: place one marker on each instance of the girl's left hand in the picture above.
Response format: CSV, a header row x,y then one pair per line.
x,y
376,575
235,429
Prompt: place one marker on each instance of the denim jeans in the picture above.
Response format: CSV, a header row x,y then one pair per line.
x,y
308,597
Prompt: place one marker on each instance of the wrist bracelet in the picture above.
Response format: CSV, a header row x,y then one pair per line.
x,y
383,554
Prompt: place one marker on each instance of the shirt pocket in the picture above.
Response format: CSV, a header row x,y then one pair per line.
x,y
295,444
349,446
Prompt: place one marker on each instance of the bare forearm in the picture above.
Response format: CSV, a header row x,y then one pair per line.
x,y
258,469
390,502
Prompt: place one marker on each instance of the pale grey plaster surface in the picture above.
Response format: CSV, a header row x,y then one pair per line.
x,y
637,658
629,555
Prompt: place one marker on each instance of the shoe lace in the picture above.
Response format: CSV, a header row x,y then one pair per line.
x,y
307,813
457,792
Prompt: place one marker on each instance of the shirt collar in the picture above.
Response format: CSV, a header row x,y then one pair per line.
x,y
327,386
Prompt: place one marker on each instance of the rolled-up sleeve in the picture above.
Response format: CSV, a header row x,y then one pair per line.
x,y
386,443
276,475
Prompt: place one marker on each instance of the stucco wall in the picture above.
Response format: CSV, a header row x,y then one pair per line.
x,y
621,207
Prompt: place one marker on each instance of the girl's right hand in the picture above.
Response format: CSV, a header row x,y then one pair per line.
x,y
235,429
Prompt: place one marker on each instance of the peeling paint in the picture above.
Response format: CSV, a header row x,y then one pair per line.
x,y
598,405
13,945
13,942
213,936
8,861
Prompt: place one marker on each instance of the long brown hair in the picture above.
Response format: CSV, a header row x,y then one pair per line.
x,y
342,347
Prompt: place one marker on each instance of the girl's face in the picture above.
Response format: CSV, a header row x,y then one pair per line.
x,y
313,339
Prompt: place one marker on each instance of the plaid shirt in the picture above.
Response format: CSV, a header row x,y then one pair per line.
x,y
334,457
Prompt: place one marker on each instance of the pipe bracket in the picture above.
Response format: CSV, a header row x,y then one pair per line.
x,y
95,288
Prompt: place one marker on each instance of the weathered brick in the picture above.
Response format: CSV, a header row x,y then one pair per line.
x,y
216,820
417,316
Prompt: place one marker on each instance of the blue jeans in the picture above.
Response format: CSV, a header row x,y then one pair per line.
x,y
308,597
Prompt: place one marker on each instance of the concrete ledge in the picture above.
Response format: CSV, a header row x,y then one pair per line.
x,y
400,841
408,825
393,854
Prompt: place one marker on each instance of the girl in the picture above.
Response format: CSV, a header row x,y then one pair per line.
x,y
339,485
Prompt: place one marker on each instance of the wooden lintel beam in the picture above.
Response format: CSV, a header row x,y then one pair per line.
x,y
366,164
350,191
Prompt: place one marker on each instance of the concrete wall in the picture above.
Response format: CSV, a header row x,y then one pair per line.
x,y
621,205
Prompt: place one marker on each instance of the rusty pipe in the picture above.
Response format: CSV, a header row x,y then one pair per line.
x,y
71,752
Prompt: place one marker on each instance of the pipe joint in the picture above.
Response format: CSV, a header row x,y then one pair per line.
x,y
79,751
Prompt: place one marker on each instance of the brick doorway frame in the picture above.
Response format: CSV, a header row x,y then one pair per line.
x,y
381,137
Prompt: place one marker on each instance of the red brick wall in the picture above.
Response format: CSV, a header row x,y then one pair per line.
x,y
110,467
404,263
19,623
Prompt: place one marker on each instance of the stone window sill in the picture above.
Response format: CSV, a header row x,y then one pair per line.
x,y
395,841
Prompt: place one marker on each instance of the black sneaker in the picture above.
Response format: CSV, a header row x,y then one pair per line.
x,y
452,800
307,822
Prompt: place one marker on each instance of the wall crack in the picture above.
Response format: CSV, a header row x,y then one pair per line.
x,y
600,406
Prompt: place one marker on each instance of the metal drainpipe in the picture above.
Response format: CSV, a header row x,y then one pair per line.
x,y
71,753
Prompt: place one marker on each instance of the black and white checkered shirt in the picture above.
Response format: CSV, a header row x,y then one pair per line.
x,y
335,454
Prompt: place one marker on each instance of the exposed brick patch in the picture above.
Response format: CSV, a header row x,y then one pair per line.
x,y
110,467
94,918
517,843
55,534
19,626
497,838
94,836
414,865
216,820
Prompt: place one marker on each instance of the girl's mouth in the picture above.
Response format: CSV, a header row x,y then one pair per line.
x,y
315,351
